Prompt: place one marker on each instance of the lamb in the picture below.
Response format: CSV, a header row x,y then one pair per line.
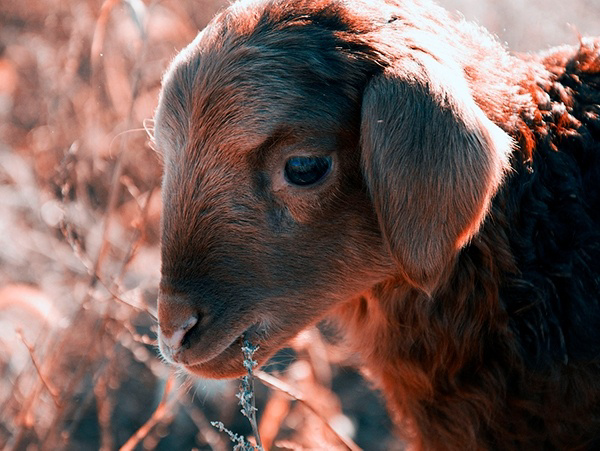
x,y
385,164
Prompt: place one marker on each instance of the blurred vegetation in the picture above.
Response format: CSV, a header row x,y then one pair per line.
x,y
80,260
79,255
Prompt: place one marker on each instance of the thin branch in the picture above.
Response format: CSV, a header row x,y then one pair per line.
x,y
137,234
162,410
100,30
47,384
295,394
118,171
142,309
212,438
246,394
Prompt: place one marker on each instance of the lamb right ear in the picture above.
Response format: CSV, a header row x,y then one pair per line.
x,y
432,161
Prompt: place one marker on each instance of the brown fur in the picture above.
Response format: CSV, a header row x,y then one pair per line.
x,y
415,240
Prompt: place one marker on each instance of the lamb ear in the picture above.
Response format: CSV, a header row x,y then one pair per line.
x,y
432,161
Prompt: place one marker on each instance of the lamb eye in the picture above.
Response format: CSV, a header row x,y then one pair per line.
x,y
304,171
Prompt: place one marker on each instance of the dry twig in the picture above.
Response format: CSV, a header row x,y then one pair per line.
x,y
162,410
277,384
47,384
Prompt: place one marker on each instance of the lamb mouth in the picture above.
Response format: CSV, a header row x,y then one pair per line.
x,y
231,357
255,334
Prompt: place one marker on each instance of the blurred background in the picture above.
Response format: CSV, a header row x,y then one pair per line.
x,y
79,255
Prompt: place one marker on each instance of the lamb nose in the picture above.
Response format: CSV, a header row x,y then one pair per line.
x,y
174,341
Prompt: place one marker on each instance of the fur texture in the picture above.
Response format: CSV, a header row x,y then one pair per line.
x,y
456,237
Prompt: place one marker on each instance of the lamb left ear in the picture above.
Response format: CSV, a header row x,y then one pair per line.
x,y
432,161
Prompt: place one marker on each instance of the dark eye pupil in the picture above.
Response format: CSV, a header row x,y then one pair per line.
x,y
305,171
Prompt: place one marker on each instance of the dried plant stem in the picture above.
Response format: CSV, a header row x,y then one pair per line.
x,y
100,31
295,394
54,434
118,171
163,409
137,234
212,438
116,297
253,421
247,398
53,391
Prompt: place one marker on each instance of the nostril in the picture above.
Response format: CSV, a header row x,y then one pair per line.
x,y
176,339
185,340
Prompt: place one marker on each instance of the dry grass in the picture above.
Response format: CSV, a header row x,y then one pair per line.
x,y
79,255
